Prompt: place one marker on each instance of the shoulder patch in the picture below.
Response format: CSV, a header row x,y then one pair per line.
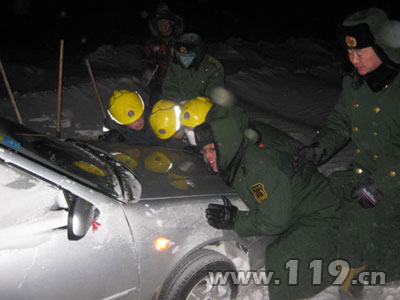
x,y
259,192
214,61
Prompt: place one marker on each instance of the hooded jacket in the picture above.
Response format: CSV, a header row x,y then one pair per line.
x,y
288,195
158,49
297,207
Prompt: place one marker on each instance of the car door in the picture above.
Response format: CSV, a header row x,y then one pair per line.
x,y
38,261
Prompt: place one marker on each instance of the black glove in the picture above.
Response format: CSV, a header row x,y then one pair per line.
x,y
366,193
312,153
221,216
111,136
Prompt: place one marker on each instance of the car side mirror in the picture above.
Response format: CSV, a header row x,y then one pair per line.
x,y
80,217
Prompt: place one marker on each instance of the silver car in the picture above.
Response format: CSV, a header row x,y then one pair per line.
x,y
121,222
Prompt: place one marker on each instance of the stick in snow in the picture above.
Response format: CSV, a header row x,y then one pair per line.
x,y
10,93
60,89
95,88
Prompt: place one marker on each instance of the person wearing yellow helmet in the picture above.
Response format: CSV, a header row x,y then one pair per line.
x,y
127,119
126,108
194,113
164,120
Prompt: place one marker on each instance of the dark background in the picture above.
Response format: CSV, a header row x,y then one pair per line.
x,y
32,27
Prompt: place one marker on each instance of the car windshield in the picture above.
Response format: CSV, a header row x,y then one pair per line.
x,y
68,159
165,172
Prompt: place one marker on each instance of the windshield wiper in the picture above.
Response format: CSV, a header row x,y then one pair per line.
x,y
130,186
101,155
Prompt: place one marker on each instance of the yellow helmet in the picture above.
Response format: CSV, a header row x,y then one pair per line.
x,y
178,181
194,111
129,161
157,162
88,167
164,118
126,107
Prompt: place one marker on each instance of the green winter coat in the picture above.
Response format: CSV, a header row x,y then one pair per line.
x,y
184,84
372,121
297,207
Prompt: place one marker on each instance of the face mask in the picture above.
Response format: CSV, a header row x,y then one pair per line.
x,y
186,60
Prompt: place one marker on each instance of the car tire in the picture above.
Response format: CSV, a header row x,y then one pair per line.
x,y
190,278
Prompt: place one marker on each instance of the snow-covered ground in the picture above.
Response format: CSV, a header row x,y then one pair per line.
x,y
291,86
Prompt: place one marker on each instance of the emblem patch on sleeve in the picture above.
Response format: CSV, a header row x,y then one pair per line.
x,y
259,192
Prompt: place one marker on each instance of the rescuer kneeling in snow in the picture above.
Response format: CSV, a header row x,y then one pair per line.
x,y
367,113
296,207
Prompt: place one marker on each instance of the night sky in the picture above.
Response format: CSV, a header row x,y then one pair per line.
x,y
34,25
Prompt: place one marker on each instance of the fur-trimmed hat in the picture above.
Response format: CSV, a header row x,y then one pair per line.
x,y
371,28
163,12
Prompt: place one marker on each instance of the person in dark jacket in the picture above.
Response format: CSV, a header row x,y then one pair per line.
x,y
165,27
298,208
192,73
367,113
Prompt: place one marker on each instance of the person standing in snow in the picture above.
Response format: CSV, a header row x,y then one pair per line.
x,y
298,208
191,72
165,27
367,113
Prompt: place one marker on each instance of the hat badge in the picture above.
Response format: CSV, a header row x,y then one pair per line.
x,y
183,49
186,116
351,41
131,113
162,131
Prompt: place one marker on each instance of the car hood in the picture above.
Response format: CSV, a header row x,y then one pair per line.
x,y
168,172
